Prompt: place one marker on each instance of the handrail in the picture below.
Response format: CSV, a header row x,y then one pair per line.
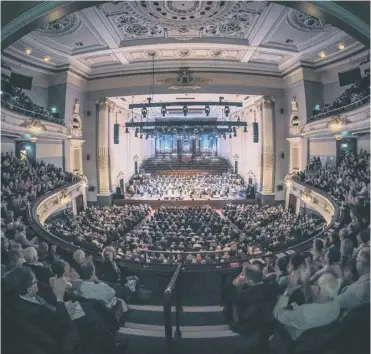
x,y
342,108
33,114
174,284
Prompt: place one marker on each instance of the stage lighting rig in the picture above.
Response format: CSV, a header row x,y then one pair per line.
x,y
144,112
245,129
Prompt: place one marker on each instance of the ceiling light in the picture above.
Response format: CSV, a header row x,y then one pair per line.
x,y
341,46
322,54
28,51
46,58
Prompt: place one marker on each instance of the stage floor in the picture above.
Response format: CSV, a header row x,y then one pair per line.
x,y
214,203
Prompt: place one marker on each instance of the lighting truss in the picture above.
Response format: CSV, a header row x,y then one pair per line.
x,y
181,104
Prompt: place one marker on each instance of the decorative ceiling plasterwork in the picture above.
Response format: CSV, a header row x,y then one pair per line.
x,y
61,27
182,19
304,22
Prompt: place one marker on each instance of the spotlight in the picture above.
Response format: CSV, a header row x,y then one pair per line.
x,y
226,111
230,136
146,136
163,111
140,136
322,54
136,132
185,111
127,130
144,112
207,110
245,129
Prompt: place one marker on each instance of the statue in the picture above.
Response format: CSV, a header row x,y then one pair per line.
x,y
294,104
76,107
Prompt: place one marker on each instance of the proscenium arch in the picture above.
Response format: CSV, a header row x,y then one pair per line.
x,y
21,17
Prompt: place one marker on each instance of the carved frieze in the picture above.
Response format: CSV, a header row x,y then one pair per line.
x,y
33,124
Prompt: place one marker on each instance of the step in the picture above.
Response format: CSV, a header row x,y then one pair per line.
x,y
188,332
190,316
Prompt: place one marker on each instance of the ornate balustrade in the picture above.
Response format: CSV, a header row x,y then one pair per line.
x,y
319,201
16,122
353,121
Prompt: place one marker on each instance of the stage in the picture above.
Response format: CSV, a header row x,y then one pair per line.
x,y
214,203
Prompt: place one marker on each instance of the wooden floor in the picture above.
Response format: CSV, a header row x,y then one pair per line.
x,y
216,204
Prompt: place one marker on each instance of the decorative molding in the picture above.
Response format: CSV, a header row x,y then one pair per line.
x,y
103,153
182,20
184,81
304,22
337,123
307,196
33,124
61,27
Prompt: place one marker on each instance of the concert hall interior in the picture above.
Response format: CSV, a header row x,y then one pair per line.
x,y
185,175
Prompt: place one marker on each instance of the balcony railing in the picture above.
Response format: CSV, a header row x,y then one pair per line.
x,y
6,101
342,109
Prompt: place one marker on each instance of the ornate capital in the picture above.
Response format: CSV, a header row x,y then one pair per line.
x,y
265,102
268,157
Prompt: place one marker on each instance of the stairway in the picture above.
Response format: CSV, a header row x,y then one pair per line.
x,y
204,329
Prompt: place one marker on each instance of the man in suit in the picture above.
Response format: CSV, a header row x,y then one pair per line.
x,y
41,327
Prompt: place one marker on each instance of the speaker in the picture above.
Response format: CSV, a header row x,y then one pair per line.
x,y
88,113
116,134
91,189
281,110
255,128
282,155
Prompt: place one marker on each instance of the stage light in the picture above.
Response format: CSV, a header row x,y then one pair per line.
x,y
127,130
245,129
234,132
146,136
136,132
207,110
230,136
140,136
163,111
185,111
226,111
144,112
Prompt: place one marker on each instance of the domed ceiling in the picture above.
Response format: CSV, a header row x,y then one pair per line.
x,y
125,36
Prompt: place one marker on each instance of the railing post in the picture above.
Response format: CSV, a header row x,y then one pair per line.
x,y
178,309
168,325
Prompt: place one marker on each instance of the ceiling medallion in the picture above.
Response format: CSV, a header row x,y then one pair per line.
x,y
182,20
61,27
304,22
152,54
184,81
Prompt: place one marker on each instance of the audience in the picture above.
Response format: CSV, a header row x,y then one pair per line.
x,y
15,99
355,96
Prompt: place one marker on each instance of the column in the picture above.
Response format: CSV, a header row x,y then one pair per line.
x,y
267,185
74,208
103,107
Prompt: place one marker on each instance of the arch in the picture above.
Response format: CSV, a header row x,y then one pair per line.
x,y
29,16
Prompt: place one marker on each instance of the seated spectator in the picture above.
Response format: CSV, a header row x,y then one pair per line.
x,y
42,273
89,289
323,310
318,252
331,266
43,329
282,276
358,293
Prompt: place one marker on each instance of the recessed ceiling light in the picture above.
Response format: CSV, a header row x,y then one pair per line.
x,y
322,54
28,51
341,46
46,58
